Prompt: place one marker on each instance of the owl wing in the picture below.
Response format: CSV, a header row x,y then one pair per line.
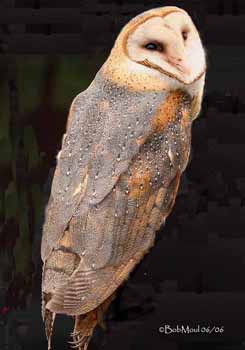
x,y
111,238
121,242
97,147
114,207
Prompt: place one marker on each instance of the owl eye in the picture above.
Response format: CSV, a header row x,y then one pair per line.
x,y
184,35
154,47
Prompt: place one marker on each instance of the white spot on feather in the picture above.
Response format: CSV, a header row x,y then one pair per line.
x,y
78,189
82,186
58,155
170,154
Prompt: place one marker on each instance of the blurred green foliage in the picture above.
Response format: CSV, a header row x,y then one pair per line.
x,y
5,143
11,202
31,149
73,76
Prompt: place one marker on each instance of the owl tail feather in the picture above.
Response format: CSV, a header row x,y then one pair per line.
x,y
85,324
49,318
83,330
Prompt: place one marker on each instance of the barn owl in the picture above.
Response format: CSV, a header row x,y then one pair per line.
x,y
126,145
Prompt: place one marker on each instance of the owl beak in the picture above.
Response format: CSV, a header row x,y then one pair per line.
x,y
179,64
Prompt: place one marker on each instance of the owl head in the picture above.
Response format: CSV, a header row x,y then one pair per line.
x,y
157,49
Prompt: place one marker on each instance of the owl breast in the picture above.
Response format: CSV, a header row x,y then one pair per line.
x,y
165,152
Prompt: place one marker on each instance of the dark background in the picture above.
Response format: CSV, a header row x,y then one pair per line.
x,y
50,51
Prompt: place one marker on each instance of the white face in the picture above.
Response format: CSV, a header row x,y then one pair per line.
x,y
169,45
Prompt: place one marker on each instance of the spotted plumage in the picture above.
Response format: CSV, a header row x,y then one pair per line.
x,y
127,142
